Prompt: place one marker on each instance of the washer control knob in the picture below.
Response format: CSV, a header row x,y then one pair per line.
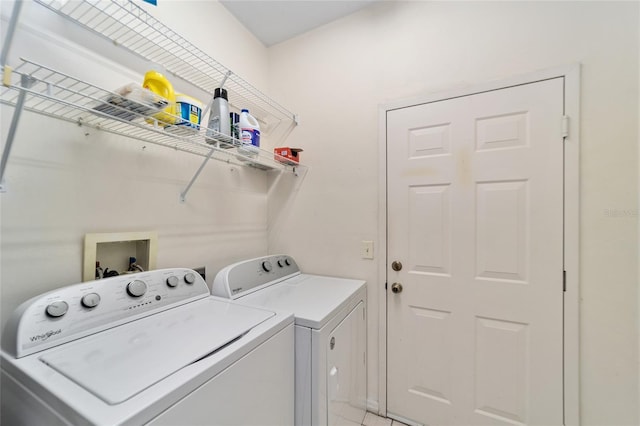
x,y
172,281
281,263
136,288
189,278
287,261
266,266
90,300
57,309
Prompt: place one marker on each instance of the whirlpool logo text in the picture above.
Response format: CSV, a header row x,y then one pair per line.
x,y
45,336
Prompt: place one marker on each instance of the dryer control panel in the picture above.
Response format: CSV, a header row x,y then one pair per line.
x,y
75,311
247,276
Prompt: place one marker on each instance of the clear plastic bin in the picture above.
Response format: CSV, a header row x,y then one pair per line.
x,y
131,102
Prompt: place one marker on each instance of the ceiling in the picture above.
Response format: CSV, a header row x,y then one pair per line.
x,y
275,21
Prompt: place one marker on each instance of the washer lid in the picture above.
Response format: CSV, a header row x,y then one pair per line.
x,y
118,363
313,299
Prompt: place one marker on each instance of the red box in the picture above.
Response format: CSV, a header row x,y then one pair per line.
x,y
287,155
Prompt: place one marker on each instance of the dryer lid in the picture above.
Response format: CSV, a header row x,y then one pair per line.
x,y
313,299
118,363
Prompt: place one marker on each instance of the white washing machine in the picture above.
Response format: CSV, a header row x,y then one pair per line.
x,y
330,317
146,348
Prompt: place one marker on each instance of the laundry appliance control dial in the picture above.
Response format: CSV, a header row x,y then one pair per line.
x,y
90,300
172,281
266,266
136,288
57,309
190,278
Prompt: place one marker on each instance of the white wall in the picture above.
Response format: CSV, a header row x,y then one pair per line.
x,y
63,183
336,77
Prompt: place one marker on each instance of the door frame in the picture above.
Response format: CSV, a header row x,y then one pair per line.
x,y
571,249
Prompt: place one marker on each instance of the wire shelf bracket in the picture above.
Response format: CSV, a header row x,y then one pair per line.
x,y
26,83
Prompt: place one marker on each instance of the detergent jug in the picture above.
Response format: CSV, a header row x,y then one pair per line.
x,y
250,134
157,83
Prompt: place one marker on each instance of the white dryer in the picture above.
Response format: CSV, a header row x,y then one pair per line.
x,y
146,348
330,317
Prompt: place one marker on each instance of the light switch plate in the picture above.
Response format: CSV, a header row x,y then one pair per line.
x,y
367,250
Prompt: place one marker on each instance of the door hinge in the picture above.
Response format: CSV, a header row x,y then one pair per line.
x,y
385,285
565,126
564,280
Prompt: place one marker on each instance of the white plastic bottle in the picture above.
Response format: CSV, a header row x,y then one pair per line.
x,y
250,134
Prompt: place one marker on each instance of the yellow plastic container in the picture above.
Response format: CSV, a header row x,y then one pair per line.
x,y
158,83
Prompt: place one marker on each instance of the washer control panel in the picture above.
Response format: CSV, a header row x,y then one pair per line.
x,y
248,276
78,310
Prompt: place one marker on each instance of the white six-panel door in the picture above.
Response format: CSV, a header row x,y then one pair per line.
x,y
475,216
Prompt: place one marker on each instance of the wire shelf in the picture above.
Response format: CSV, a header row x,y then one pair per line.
x,y
55,94
126,24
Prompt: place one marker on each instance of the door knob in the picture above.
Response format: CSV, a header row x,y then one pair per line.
x,y
396,265
396,288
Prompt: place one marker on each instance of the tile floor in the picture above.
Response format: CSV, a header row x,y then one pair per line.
x,y
373,420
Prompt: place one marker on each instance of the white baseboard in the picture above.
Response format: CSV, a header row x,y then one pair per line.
x,y
373,406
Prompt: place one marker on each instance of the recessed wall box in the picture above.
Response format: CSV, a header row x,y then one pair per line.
x,y
113,251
